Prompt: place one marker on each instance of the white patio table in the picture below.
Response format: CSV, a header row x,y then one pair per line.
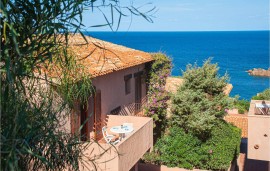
x,y
264,108
121,130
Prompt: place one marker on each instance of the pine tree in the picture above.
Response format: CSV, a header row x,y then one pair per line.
x,y
200,102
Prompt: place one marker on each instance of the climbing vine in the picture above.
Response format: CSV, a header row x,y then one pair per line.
x,y
157,95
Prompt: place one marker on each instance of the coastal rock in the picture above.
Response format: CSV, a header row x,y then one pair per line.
x,y
259,72
173,83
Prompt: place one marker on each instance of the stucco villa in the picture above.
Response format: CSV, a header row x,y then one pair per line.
x,y
118,76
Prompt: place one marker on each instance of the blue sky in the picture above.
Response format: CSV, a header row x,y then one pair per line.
x,y
192,15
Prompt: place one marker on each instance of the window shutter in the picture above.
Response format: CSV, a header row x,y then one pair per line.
x,y
98,120
75,119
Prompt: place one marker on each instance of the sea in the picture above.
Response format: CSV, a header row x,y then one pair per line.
x,y
234,51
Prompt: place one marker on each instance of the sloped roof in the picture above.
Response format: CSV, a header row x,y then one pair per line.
x,y
101,57
240,121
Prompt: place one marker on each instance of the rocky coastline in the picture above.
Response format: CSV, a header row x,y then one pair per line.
x,y
259,72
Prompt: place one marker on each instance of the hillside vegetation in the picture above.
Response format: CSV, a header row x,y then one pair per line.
x,y
197,136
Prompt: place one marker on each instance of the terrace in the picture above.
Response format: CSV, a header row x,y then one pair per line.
x,y
125,154
259,107
259,130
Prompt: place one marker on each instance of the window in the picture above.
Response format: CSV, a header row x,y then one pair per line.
x,y
127,79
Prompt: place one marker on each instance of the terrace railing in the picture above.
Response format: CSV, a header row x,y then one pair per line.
x,y
132,109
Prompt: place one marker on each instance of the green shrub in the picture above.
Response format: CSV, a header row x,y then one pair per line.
x,y
241,105
184,150
178,149
199,137
241,110
225,146
265,95
200,102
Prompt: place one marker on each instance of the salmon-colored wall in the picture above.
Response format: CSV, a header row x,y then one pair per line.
x,y
132,148
258,134
112,88
124,155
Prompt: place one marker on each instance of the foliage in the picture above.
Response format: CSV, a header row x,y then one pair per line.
x,y
73,81
199,137
177,149
241,111
157,95
241,105
200,102
265,95
184,150
224,145
34,37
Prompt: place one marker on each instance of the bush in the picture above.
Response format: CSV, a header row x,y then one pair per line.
x,y
241,110
178,149
265,95
199,137
225,145
241,105
200,102
184,150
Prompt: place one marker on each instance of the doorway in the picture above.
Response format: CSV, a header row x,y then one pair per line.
x,y
86,120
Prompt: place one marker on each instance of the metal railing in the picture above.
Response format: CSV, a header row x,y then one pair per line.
x,y
132,109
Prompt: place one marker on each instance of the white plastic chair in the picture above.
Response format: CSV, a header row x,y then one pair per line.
x,y
108,138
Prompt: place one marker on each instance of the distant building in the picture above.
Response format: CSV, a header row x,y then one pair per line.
x,y
259,130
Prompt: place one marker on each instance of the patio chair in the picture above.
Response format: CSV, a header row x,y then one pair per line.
x,y
110,139
263,107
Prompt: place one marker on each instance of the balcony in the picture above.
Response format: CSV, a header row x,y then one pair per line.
x,y
124,155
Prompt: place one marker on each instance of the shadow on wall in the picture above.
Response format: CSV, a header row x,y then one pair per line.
x,y
148,167
234,164
257,165
250,164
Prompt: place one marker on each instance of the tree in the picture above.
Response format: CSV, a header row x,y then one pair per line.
x,y
200,103
34,37
198,137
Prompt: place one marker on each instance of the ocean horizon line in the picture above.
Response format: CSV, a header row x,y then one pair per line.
x,y
180,31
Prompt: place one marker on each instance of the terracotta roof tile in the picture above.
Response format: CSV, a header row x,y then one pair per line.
x,y
101,57
240,121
